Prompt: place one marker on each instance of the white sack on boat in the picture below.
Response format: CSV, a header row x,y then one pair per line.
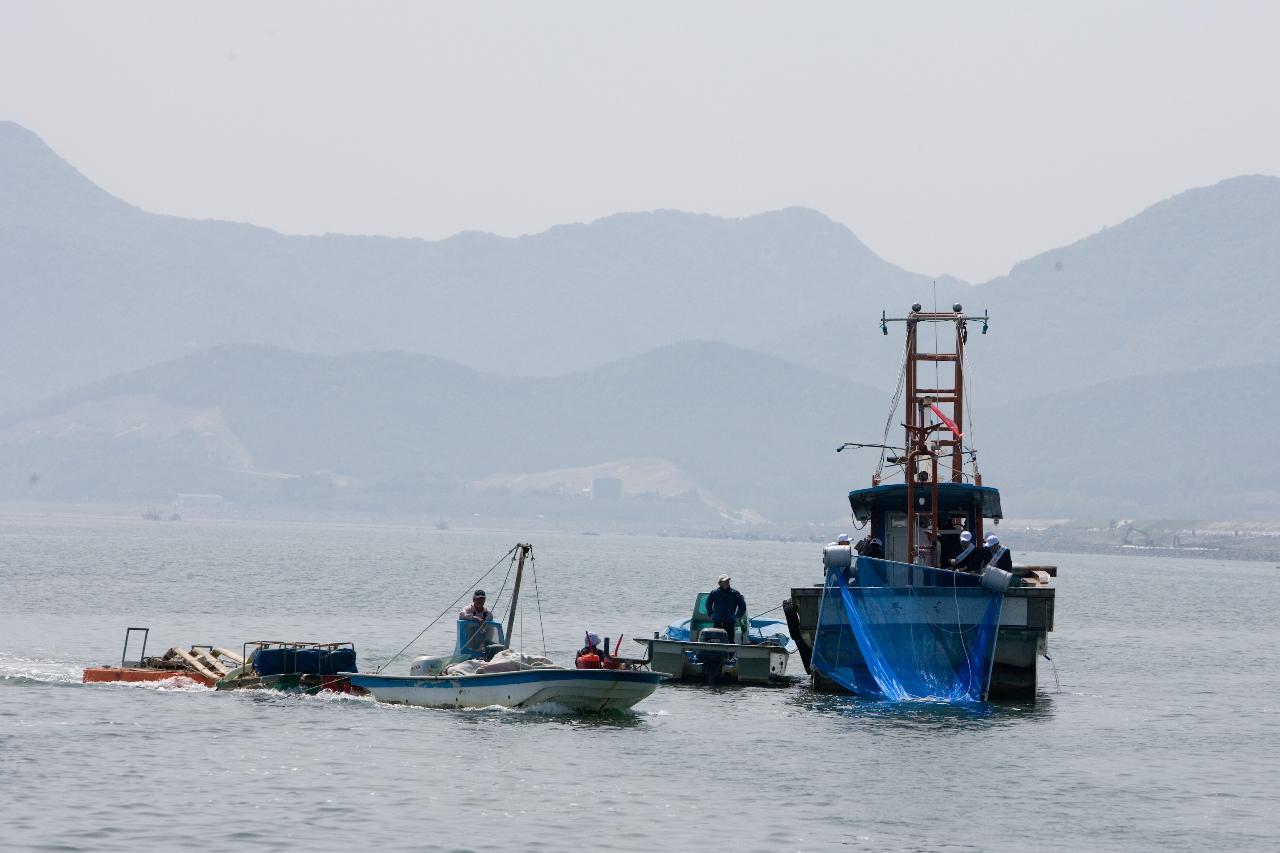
x,y
504,661
466,667
509,661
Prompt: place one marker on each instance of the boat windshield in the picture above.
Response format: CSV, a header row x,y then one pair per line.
x,y
474,638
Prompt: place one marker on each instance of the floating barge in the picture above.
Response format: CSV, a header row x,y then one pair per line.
x,y
918,522
293,666
202,664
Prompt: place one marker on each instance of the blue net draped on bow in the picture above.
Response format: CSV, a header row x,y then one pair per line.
x,y
894,631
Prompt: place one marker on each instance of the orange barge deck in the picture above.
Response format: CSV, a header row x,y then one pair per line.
x,y
202,664
132,673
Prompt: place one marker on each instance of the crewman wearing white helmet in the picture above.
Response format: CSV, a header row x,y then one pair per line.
x,y
1000,556
972,557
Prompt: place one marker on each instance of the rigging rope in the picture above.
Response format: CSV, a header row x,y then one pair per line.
x,y
893,408
937,366
1057,685
968,410
474,584
510,565
533,569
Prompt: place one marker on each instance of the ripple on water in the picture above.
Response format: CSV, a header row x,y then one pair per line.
x,y
1140,749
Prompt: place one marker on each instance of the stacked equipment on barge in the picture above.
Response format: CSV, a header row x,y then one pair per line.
x,y
201,664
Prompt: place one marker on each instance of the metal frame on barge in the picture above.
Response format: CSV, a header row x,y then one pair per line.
x,y
940,482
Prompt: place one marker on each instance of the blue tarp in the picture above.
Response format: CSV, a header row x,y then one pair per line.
x,y
894,631
762,631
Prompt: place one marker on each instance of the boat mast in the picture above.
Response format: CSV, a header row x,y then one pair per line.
x,y
928,437
523,551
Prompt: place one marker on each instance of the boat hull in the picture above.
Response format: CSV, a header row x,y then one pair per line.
x,y
292,682
570,689
746,664
108,674
1025,622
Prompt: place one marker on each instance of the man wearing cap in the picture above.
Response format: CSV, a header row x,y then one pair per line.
x,y
726,606
475,611
870,546
949,542
1000,556
971,557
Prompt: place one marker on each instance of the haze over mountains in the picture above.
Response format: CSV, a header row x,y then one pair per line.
x,y
410,431
147,355
100,286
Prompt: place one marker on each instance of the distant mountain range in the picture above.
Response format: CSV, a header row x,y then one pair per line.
x,y
147,354
1188,283
257,423
744,434
1176,445
95,286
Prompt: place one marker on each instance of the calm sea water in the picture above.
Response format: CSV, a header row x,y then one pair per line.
x,y
1164,732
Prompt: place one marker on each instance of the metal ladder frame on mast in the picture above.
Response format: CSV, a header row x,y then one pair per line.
x,y
919,429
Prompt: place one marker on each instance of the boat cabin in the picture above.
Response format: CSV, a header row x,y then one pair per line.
x,y
960,506
474,641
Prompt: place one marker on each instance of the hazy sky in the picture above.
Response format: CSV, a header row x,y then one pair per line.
x,y
951,137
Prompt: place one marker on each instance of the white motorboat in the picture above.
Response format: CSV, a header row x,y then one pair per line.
x,y
483,672
555,687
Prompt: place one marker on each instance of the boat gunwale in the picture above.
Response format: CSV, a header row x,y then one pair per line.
x,y
515,677
699,645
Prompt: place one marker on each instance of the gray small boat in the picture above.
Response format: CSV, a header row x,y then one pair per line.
x,y
695,651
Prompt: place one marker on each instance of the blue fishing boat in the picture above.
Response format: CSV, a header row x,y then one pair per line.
x,y
914,611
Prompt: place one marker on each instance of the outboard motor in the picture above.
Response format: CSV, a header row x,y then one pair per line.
x,y
713,662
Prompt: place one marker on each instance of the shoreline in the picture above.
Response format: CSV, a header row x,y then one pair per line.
x,y
1255,541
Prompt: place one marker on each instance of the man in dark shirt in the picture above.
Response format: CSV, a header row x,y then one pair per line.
x,y
874,549
949,542
726,606
999,555
971,557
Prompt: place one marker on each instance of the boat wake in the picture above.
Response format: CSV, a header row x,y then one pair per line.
x,y
169,685
22,670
